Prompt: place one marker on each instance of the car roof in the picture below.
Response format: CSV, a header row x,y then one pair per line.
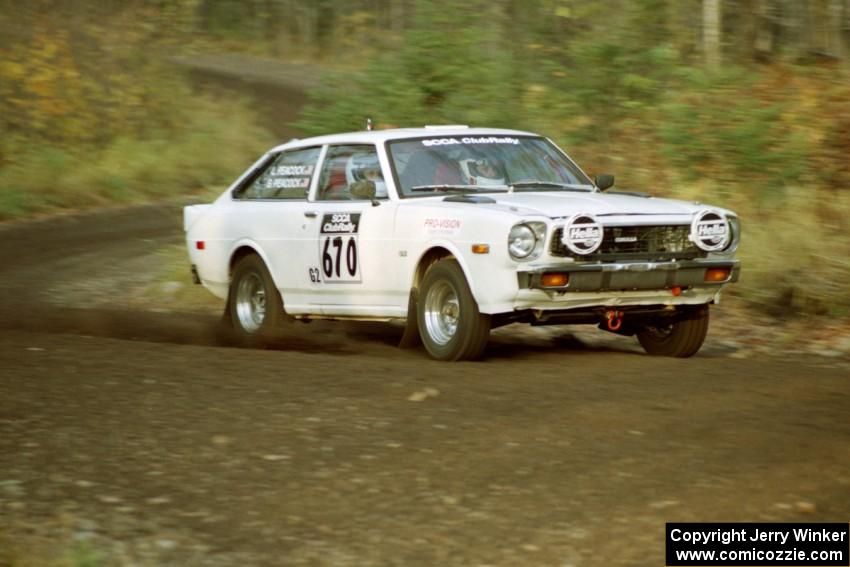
x,y
381,136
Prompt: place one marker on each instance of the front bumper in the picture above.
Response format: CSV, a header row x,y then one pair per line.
x,y
630,276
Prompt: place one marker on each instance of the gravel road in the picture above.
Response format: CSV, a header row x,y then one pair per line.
x,y
136,433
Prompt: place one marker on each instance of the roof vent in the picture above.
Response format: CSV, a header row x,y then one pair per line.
x,y
445,126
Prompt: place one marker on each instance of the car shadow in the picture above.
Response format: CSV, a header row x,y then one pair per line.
x,y
318,337
162,327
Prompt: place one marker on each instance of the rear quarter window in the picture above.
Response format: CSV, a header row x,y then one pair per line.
x,y
285,176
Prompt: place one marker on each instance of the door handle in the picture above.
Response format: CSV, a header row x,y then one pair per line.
x,y
311,214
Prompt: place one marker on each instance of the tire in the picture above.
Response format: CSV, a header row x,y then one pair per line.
x,y
681,338
450,325
254,306
410,338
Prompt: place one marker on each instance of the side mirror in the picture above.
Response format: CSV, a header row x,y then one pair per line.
x,y
604,181
363,190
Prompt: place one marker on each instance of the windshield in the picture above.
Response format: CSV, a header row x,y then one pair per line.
x,y
482,163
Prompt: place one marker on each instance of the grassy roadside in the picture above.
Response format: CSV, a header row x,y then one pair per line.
x,y
24,550
172,287
212,145
795,257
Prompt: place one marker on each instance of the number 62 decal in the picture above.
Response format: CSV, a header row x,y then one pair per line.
x,y
338,251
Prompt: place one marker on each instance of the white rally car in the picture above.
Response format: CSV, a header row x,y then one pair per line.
x,y
457,230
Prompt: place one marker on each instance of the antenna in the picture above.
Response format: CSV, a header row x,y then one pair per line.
x,y
368,124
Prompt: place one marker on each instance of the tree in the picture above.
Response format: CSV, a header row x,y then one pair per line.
x,y
711,32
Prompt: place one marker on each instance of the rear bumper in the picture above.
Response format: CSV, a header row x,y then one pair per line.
x,y
630,276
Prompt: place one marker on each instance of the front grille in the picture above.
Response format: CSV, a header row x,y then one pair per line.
x,y
636,242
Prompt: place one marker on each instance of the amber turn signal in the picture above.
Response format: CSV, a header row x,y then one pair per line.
x,y
480,248
717,274
555,279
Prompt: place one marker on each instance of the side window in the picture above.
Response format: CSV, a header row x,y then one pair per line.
x,y
345,170
286,176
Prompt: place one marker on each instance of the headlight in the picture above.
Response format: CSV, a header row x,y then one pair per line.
x,y
735,227
525,241
521,241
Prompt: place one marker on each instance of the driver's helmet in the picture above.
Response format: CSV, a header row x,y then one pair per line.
x,y
364,166
483,171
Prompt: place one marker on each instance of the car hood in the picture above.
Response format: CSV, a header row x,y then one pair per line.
x,y
565,204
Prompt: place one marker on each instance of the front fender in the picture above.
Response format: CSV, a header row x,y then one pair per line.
x,y
449,246
493,283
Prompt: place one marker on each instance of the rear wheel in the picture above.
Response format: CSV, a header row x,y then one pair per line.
x,y
254,305
681,338
450,325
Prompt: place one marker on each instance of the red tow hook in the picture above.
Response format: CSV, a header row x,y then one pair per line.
x,y
614,319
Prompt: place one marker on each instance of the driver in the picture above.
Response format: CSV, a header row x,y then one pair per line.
x,y
365,167
483,171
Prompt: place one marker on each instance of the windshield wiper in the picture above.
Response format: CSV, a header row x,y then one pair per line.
x,y
555,184
457,188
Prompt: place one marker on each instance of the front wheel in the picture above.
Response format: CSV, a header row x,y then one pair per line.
x,y
680,338
254,305
450,325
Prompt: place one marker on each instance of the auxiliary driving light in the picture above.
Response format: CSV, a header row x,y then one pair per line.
x,y
555,279
717,274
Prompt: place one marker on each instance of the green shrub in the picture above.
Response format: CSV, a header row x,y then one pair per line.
x,y
716,125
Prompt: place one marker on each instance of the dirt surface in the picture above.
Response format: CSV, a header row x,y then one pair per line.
x,y
137,431
277,90
131,430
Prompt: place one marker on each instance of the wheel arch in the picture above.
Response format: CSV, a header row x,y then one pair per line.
x,y
242,249
433,254
246,248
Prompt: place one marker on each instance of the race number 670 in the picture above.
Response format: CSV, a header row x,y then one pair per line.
x,y
339,257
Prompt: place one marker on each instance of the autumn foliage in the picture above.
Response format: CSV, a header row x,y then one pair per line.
x,y
93,112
